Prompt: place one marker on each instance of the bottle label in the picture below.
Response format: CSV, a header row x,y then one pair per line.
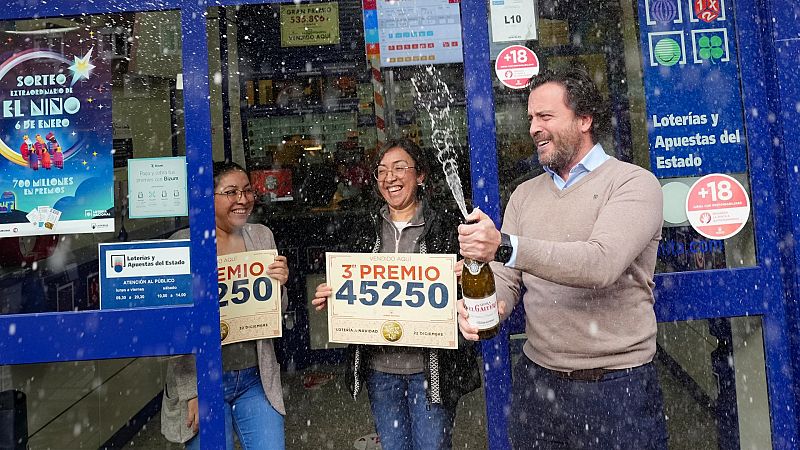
x,y
482,311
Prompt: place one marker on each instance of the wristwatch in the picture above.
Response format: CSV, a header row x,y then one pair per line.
x,y
505,249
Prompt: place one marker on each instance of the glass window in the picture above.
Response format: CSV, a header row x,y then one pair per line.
x,y
713,379
82,164
308,104
714,382
84,404
611,41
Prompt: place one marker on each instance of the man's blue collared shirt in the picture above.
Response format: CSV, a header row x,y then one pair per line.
x,y
596,157
591,161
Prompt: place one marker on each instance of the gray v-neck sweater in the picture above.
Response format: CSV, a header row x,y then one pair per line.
x,y
586,257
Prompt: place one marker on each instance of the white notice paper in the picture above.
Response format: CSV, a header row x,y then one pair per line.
x,y
513,20
157,187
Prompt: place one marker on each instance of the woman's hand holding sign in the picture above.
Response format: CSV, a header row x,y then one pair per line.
x,y
279,270
321,296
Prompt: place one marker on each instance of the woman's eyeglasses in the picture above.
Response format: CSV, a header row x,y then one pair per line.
x,y
235,194
381,173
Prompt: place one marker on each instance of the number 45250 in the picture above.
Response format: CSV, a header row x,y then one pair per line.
x,y
415,295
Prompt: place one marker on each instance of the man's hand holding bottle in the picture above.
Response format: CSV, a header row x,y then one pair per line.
x,y
478,314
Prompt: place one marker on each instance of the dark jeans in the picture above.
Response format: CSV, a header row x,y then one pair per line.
x,y
248,412
623,410
403,417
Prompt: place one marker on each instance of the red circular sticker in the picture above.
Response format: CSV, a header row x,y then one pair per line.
x,y
717,206
515,65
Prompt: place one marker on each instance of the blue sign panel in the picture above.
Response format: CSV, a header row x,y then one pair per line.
x,y
691,82
146,273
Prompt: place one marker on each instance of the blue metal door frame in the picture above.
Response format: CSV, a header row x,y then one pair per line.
x,y
780,37
92,335
683,296
761,290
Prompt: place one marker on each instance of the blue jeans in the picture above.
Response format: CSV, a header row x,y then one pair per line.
x,y
248,412
403,417
621,411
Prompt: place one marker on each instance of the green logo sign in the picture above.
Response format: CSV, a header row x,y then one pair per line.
x,y
711,48
667,52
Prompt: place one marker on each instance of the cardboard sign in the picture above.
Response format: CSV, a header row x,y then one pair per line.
x,y
249,300
398,299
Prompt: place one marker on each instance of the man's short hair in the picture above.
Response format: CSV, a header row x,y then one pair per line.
x,y
583,96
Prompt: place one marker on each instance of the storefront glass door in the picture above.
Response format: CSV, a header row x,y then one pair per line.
x,y
99,166
715,359
181,84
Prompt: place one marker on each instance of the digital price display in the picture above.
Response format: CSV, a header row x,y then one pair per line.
x,y
401,299
415,33
249,300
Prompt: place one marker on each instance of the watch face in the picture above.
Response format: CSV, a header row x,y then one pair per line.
x,y
503,254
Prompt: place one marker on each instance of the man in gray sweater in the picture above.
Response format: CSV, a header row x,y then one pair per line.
x,y
578,245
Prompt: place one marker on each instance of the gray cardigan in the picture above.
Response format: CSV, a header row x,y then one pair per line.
x,y
181,383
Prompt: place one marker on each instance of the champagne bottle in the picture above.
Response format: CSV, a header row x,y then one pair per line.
x,y
480,300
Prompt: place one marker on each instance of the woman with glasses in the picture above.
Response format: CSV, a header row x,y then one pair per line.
x,y
413,392
251,379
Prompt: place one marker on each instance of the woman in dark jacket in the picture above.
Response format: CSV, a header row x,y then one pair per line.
x,y
413,392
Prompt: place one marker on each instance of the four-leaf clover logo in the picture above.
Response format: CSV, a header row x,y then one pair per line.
x,y
711,48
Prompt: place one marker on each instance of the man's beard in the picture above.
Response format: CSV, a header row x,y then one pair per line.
x,y
565,147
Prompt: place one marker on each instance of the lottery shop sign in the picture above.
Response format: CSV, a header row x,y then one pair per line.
x,y
717,206
692,87
399,299
144,274
249,300
706,10
515,66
